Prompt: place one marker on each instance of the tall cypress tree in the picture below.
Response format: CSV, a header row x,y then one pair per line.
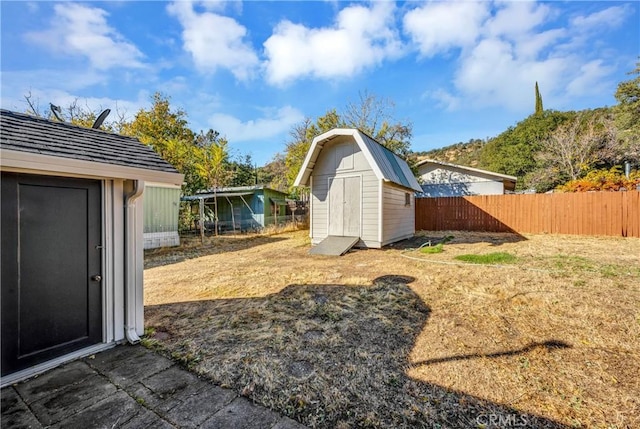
x,y
539,107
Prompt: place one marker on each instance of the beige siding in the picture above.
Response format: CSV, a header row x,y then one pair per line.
x,y
342,157
398,218
319,195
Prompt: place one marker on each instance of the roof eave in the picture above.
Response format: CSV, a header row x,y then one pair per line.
x,y
28,162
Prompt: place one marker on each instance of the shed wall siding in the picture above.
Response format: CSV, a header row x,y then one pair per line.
x,y
343,158
398,218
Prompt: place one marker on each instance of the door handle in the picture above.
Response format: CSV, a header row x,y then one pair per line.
x,y
96,278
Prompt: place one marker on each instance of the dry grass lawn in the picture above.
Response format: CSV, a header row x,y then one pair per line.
x,y
399,338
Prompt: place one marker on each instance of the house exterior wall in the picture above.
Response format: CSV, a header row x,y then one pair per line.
x,y
341,157
453,182
122,248
161,208
398,217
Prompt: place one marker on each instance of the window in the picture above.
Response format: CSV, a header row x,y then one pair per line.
x,y
407,199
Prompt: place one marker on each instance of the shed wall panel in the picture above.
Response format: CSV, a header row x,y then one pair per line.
x,y
331,163
398,218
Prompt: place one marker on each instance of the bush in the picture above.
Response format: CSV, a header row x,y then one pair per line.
x,y
603,180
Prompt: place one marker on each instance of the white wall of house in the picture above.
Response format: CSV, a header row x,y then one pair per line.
x,y
438,181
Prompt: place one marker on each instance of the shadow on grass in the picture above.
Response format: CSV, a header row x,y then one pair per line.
x,y
193,248
326,355
548,345
451,238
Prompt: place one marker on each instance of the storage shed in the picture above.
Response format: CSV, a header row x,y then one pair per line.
x,y
72,240
359,189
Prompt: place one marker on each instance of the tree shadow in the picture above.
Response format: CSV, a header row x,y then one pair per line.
x,y
193,248
432,238
327,355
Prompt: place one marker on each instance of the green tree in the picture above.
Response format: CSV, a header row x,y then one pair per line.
x,y
159,124
514,151
166,131
213,166
627,116
243,171
572,149
539,108
274,173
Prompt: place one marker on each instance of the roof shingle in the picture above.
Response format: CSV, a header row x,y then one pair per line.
x,y
25,133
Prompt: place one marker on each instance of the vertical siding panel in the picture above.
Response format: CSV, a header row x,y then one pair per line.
x,y
597,213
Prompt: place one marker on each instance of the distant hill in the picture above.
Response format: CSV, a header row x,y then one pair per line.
x,y
467,154
543,150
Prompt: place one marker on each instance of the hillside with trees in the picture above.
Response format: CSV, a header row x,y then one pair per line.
x,y
569,151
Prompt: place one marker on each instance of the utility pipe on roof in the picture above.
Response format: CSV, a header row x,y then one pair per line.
x,y
131,262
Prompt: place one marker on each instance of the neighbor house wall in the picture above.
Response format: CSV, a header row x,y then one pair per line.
x,y
342,157
398,217
451,181
161,212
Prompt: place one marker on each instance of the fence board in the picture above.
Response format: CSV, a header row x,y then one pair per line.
x,y
591,213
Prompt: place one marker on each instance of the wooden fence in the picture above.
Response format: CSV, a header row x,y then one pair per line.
x,y
586,213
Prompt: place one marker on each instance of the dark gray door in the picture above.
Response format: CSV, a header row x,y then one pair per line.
x,y
51,268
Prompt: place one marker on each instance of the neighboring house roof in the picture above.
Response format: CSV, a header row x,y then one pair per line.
x,y
25,133
386,165
229,191
469,169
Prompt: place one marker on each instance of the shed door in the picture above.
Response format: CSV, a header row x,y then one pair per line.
x,y
51,297
344,206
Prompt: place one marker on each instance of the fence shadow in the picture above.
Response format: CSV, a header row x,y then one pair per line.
x,y
326,355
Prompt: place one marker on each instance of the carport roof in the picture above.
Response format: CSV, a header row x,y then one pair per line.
x,y
25,133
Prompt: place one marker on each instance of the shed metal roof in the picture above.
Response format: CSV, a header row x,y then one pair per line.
x,y
386,165
25,133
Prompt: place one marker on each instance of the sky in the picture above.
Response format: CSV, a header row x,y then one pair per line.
x,y
252,70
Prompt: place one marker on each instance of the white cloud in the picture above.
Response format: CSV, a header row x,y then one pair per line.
x,y
439,27
444,99
493,75
610,17
504,51
82,30
515,19
591,79
361,37
273,124
215,41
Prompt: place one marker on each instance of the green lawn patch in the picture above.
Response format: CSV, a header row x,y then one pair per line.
x,y
438,248
489,258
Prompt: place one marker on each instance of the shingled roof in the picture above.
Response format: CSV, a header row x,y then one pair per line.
x,y
25,133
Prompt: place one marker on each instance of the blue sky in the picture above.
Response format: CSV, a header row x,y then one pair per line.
x,y
253,69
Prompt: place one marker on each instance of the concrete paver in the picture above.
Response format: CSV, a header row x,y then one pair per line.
x,y
242,414
134,388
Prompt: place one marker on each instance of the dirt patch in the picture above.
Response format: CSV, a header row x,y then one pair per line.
x,y
396,338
